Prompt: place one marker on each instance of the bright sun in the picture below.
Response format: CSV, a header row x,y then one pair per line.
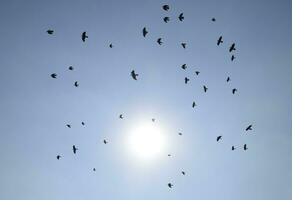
x,y
146,141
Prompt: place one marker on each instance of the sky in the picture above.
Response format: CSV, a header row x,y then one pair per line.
x,y
34,108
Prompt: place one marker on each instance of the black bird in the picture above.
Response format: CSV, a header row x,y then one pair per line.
x,y
76,84
179,133
234,90
166,19
71,68
184,45
84,36
232,57
121,116
54,75
74,149
94,169
134,75
228,79
111,45
165,7
232,148
105,142
68,125
144,32
213,19
219,138
181,17
82,123
249,128
197,72
170,185
168,155
58,157
50,32
159,41
205,88
232,47
245,147
194,104
153,120
183,173
219,40
184,66
186,80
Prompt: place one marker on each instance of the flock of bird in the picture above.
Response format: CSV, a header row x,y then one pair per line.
x,y
135,75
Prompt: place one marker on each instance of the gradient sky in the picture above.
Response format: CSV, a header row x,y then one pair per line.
x,y
34,108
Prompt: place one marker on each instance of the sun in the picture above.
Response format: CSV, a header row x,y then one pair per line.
x,y
147,141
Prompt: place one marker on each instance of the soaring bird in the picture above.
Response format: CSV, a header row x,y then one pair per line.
x,y
76,84
74,149
50,32
183,173
184,45
205,88
84,36
219,41
184,66
166,19
228,79
245,147
134,75
213,19
194,104
111,45
197,72
232,148
181,17
168,155
58,157
249,128
232,57
165,7
234,90
170,185
186,80
179,133
144,32
54,75
219,138
153,120
232,47
68,125
159,41
105,142
82,123
94,169
121,116
71,68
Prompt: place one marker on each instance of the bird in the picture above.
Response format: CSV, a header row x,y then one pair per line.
x,y
54,75
111,45
74,149
94,169
219,40
219,138
121,116
245,147
232,47
181,17
58,157
213,19
184,45
153,120
68,125
233,148
105,142
183,173
186,80
179,133
197,72
145,32
50,32
194,104
70,68
166,19
232,57
170,185
84,36
76,84
168,155
205,88
184,66
228,79
82,123
234,90
134,75
249,128
165,7
159,41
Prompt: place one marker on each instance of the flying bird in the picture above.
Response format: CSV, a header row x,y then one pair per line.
x,y
58,157
165,7
219,41
179,133
194,104
74,149
105,142
213,19
54,75
233,148
234,90
245,147
68,125
232,47
219,138
50,32
186,80
249,128
145,32
121,116
153,120
84,36
166,19
82,123
134,75
170,185
94,169
70,68
76,84
228,79
197,72
159,41
183,173
168,155
184,45
111,45
205,88
184,66
181,17
232,57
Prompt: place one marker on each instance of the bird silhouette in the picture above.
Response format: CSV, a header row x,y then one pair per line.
x,y
50,32
168,155
134,75
84,36
153,120
219,138
111,45
245,147
94,169
234,90
170,185
232,47
181,17
205,88
197,73
186,80
249,128
71,68
184,66
68,125
159,41
166,19
184,45
165,7
74,149
105,141
233,148
145,32
213,19
194,104
54,75
228,79
82,123
219,41
232,57
76,84
183,173
58,157
179,133
121,116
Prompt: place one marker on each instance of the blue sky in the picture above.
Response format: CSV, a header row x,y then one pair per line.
x,y
35,108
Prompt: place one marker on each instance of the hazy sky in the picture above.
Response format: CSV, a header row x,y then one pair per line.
x,y
34,108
